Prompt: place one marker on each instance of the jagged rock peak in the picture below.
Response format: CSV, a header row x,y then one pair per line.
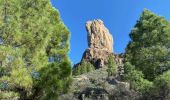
x,y
100,43
99,36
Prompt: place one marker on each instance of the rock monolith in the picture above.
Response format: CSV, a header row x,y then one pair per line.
x,y
100,43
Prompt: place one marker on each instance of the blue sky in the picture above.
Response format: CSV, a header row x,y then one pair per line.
x,y
119,17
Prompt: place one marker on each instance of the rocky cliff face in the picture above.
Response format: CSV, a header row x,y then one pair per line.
x,y
100,43
99,36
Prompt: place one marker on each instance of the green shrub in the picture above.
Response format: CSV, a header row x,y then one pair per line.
x,y
161,88
136,79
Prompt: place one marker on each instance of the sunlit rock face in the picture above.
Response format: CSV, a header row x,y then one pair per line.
x,y
99,36
100,43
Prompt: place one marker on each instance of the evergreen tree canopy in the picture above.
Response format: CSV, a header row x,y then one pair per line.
x,y
83,67
112,67
161,88
149,47
33,41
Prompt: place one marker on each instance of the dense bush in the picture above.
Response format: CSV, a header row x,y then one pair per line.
x,y
136,79
161,87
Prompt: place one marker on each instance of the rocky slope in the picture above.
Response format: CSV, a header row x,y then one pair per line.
x,y
97,85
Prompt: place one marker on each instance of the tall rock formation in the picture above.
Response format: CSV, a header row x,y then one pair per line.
x,y
100,43
99,36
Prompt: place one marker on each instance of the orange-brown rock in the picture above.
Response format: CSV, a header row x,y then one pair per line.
x,y
100,43
99,36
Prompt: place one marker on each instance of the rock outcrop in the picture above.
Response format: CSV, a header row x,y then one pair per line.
x,y
96,85
100,43
99,36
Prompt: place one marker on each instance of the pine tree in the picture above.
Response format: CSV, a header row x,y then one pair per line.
x,y
83,67
9,22
149,46
31,32
161,88
112,67
90,67
15,76
136,79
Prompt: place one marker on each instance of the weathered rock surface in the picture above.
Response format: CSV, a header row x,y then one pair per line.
x,y
100,43
99,36
97,86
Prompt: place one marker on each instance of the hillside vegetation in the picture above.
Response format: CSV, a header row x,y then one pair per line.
x,y
34,63
146,64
